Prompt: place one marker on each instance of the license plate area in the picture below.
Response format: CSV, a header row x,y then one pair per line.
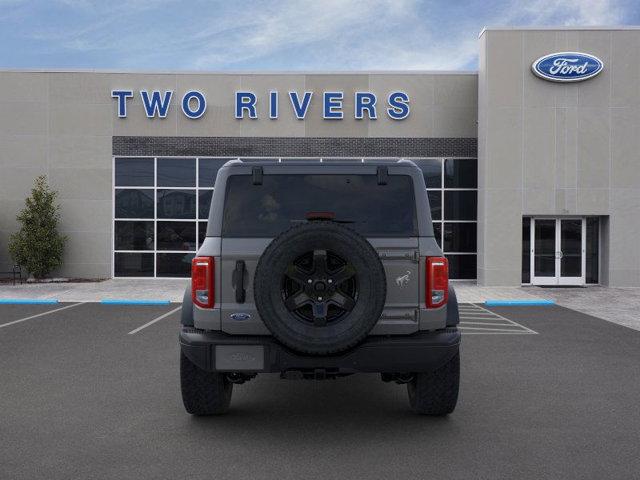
x,y
235,358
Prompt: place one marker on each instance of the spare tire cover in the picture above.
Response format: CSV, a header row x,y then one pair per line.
x,y
320,287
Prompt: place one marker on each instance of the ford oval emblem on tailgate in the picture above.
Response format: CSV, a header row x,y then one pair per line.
x,y
567,66
240,316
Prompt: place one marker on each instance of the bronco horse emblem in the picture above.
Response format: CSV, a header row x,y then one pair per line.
x,y
403,280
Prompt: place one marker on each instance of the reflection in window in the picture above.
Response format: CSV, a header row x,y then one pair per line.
x,y
176,235
133,264
435,203
134,172
176,204
460,205
202,233
460,173
462,266
204,202
437,232
174,264
133,235
460,237
134,203
176,172
282,200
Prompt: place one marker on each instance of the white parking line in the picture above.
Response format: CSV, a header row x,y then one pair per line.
x,y
39,315
509,330
164,315
477,320
487,323
490,332
508,320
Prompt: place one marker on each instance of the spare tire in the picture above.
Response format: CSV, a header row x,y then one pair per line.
x,y
320,287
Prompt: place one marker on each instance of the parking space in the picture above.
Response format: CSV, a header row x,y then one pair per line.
x,y
478,320
87,393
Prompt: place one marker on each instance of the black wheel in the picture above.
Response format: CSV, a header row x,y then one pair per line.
x,y
320,287
436,393
203,393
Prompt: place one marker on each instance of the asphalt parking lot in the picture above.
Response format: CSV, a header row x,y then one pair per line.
x,y
91,391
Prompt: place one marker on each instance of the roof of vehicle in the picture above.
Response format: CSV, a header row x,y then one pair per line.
x,y
317,162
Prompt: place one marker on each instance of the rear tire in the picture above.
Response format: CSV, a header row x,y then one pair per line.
x,y
436,393
203,393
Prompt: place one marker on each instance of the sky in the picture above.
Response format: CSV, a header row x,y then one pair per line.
x,y
277,35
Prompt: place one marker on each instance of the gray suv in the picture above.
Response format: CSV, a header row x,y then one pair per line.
x,y
318,270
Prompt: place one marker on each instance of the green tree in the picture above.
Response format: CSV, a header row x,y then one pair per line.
x,y
37,246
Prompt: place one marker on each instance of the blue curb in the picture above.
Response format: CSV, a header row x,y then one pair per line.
x,y
27,301
134,302
519,303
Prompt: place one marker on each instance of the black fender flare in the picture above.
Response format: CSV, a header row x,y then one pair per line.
x,y
186,315
453,315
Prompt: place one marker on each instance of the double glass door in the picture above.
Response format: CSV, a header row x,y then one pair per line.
x,y
558,251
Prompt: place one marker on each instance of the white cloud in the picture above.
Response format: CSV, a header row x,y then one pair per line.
x,y
303,34
570,12
385,35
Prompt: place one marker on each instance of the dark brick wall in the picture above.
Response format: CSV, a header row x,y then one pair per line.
x,y
295,147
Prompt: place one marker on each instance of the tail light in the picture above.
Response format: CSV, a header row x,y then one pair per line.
x,y
437,273
202,284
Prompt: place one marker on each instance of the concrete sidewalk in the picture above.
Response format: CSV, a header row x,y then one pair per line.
x,y
617,305
172,290
120,288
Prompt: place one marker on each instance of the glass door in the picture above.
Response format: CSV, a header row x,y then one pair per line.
x,y
543,252
572,251
558,251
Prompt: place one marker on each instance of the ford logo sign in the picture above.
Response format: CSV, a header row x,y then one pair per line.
x,y
567,66
240,316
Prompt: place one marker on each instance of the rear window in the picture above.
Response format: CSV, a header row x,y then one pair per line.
x,y
284,200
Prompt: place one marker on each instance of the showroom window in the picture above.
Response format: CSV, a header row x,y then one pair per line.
x,y
161,207
452,186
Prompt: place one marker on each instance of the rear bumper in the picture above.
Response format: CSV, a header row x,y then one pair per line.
x,y
420,352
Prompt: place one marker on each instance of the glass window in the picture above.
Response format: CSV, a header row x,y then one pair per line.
x,y
174,264
460,205
176,203
133,264
175,220
133,235
209,170
435,203
283,200
431,171
176,172
526,250
176,235
134,203
204,202
593,241
202,233
462,267
460,237
437,232
134,172
460,173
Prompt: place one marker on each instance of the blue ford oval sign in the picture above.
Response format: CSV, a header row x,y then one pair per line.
x,y
567,66
240,316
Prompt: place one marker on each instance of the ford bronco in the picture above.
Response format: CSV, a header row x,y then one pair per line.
x,y
319,270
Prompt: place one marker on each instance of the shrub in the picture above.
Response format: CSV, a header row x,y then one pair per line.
x,y
37,246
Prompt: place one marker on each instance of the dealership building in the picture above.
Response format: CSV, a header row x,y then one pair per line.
x,y
532,163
